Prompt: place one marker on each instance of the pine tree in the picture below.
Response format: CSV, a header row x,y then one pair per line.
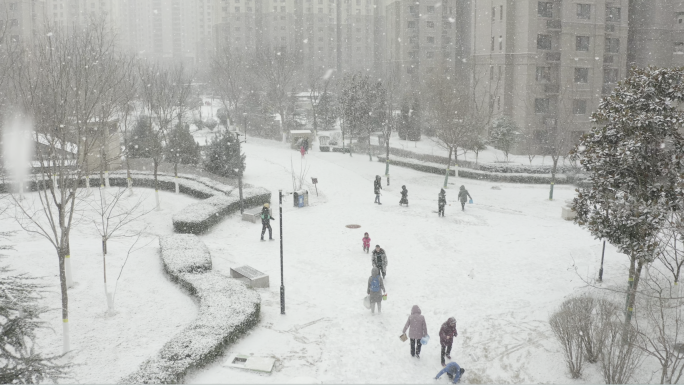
x,y
504,135
143,142
224,157
181,147
19,320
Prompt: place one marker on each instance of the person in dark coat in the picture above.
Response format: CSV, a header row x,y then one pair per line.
x,y
404,196
453,370
375,289
266,222
306,145
441,202
379,260
417,329
463,196
377,186
447,333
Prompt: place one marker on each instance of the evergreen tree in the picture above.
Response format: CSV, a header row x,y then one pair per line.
x,y
19,320
143,142
504,135
224,157
327,111
181,147
404,120
415,121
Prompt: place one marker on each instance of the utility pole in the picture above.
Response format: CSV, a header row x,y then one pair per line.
x,y
244,116
239,172
282,282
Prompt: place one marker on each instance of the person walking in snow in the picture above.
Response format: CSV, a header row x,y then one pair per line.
x,y
375,289
377,186
453,370
266,222
302,151
379,260
366,242
447,333
306,145
404,196
463,196
417,329
441,202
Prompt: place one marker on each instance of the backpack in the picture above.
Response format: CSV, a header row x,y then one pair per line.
x,y
375,284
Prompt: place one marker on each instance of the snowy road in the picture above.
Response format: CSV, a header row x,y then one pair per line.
x,y
500,268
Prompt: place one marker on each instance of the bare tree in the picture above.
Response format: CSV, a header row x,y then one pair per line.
x,y
60,89
229,73
277,71
128,109
670,241
392,89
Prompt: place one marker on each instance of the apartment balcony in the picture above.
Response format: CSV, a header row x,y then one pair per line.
x,y
552,56
554,24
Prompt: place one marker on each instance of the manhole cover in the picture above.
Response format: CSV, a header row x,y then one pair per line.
x,y
353,226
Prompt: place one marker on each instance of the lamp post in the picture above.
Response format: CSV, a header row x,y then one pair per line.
x,y
282,282
239,172
244,119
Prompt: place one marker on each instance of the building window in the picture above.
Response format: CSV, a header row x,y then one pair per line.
x,y
541,106
282,9
610,75
613,15
413,9
446,40
413,54
543,74
429,54
582,43
501,12
581,75
431,9
14,22
493,13
431,24
579,106
544,9
612,45
543,42
320,10
680,18
491,72
500,43
409,69
679,48
413,39
237,9
584,11
431,39
13,6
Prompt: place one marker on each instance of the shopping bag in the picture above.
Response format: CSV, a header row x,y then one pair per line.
x,y
366,302
471,201
403,337
425,340
384,297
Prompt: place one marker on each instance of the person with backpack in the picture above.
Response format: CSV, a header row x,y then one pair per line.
x,y
366,242
379,260
306,145
404,196
266,222
463,196
377,186
447,333
417,329
441,202
453,370
375,290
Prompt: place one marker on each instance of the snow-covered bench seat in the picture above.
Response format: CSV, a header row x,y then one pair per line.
x,y
227,310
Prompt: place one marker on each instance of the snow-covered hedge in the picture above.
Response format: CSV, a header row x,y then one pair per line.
x,y
513,178
228,309
521,168
166,183
201,216
433,168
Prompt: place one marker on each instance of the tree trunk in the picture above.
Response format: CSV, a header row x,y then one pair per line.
x,y
67,266
446,176
283,126
350,141
387,155
175,173
156,184
553,176
633,284
370,153
62,254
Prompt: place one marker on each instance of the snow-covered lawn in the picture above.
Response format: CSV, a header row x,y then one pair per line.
x,y
501,267
149,309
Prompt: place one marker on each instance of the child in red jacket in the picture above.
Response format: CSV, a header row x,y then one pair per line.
x,y
366,242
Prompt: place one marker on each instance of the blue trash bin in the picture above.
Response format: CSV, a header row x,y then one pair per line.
x,y
301,201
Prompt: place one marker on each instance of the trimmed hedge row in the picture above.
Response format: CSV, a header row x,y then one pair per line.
x,y
513,178
424,167
228,309
201,216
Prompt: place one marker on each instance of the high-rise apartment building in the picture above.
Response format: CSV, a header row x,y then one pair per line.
x,y
425,37
74,13
546,64
21,20
656,33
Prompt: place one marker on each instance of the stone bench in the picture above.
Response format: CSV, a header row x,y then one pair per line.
x,y
251,276
252,216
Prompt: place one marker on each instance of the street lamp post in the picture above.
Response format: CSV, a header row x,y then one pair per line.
x,y
239,172
244,118
603,253
282,282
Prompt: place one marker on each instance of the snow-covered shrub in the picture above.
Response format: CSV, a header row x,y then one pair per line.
x,y
184,253
513,178
417,165
565,326
620,356
201,216
228,309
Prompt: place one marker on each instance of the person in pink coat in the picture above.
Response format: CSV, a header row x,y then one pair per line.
x,y
417,330
366,242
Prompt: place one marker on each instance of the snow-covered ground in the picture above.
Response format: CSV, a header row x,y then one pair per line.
x,y
501,267
149,309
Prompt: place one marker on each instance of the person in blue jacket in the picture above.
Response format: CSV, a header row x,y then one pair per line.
x,y
453,371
